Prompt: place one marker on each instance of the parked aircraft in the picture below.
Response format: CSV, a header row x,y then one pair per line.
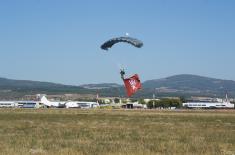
x,y
68,104
48,103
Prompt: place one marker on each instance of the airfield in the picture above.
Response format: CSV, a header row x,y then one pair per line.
x,y
110,131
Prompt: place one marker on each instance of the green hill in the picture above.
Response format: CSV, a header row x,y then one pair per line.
x,y
187,84
11,89
178,85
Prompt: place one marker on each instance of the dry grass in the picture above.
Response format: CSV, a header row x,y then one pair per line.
x,y
71,131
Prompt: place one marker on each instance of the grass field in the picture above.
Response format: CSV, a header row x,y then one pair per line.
x,y
71,131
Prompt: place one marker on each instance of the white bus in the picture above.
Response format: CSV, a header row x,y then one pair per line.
x,y
8,104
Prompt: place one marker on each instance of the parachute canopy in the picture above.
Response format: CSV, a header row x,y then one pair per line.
x,y
135,42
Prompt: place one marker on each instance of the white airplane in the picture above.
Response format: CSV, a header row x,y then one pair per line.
x,y
68,104
48,103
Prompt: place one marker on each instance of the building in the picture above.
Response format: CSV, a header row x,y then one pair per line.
x,y
210,103
8,104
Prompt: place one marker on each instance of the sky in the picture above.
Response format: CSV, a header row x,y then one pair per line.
x,y
59,40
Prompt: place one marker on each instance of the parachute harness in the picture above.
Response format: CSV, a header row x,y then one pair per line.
x,y
122,72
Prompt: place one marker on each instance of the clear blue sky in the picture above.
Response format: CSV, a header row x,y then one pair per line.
x,y
59,40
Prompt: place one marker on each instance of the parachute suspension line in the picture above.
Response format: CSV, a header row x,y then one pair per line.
x,y
133,41
120,66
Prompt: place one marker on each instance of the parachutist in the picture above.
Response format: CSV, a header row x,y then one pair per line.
x,y
132,84
122,73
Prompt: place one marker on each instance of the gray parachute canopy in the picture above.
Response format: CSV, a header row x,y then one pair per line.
x,y
132,41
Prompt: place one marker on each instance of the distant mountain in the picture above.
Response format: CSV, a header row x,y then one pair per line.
x,y
186,84
17,87
19,84
178,85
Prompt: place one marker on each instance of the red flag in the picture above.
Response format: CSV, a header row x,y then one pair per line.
x,y
132,84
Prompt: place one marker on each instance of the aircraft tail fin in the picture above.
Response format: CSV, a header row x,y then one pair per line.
x,y
45,101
